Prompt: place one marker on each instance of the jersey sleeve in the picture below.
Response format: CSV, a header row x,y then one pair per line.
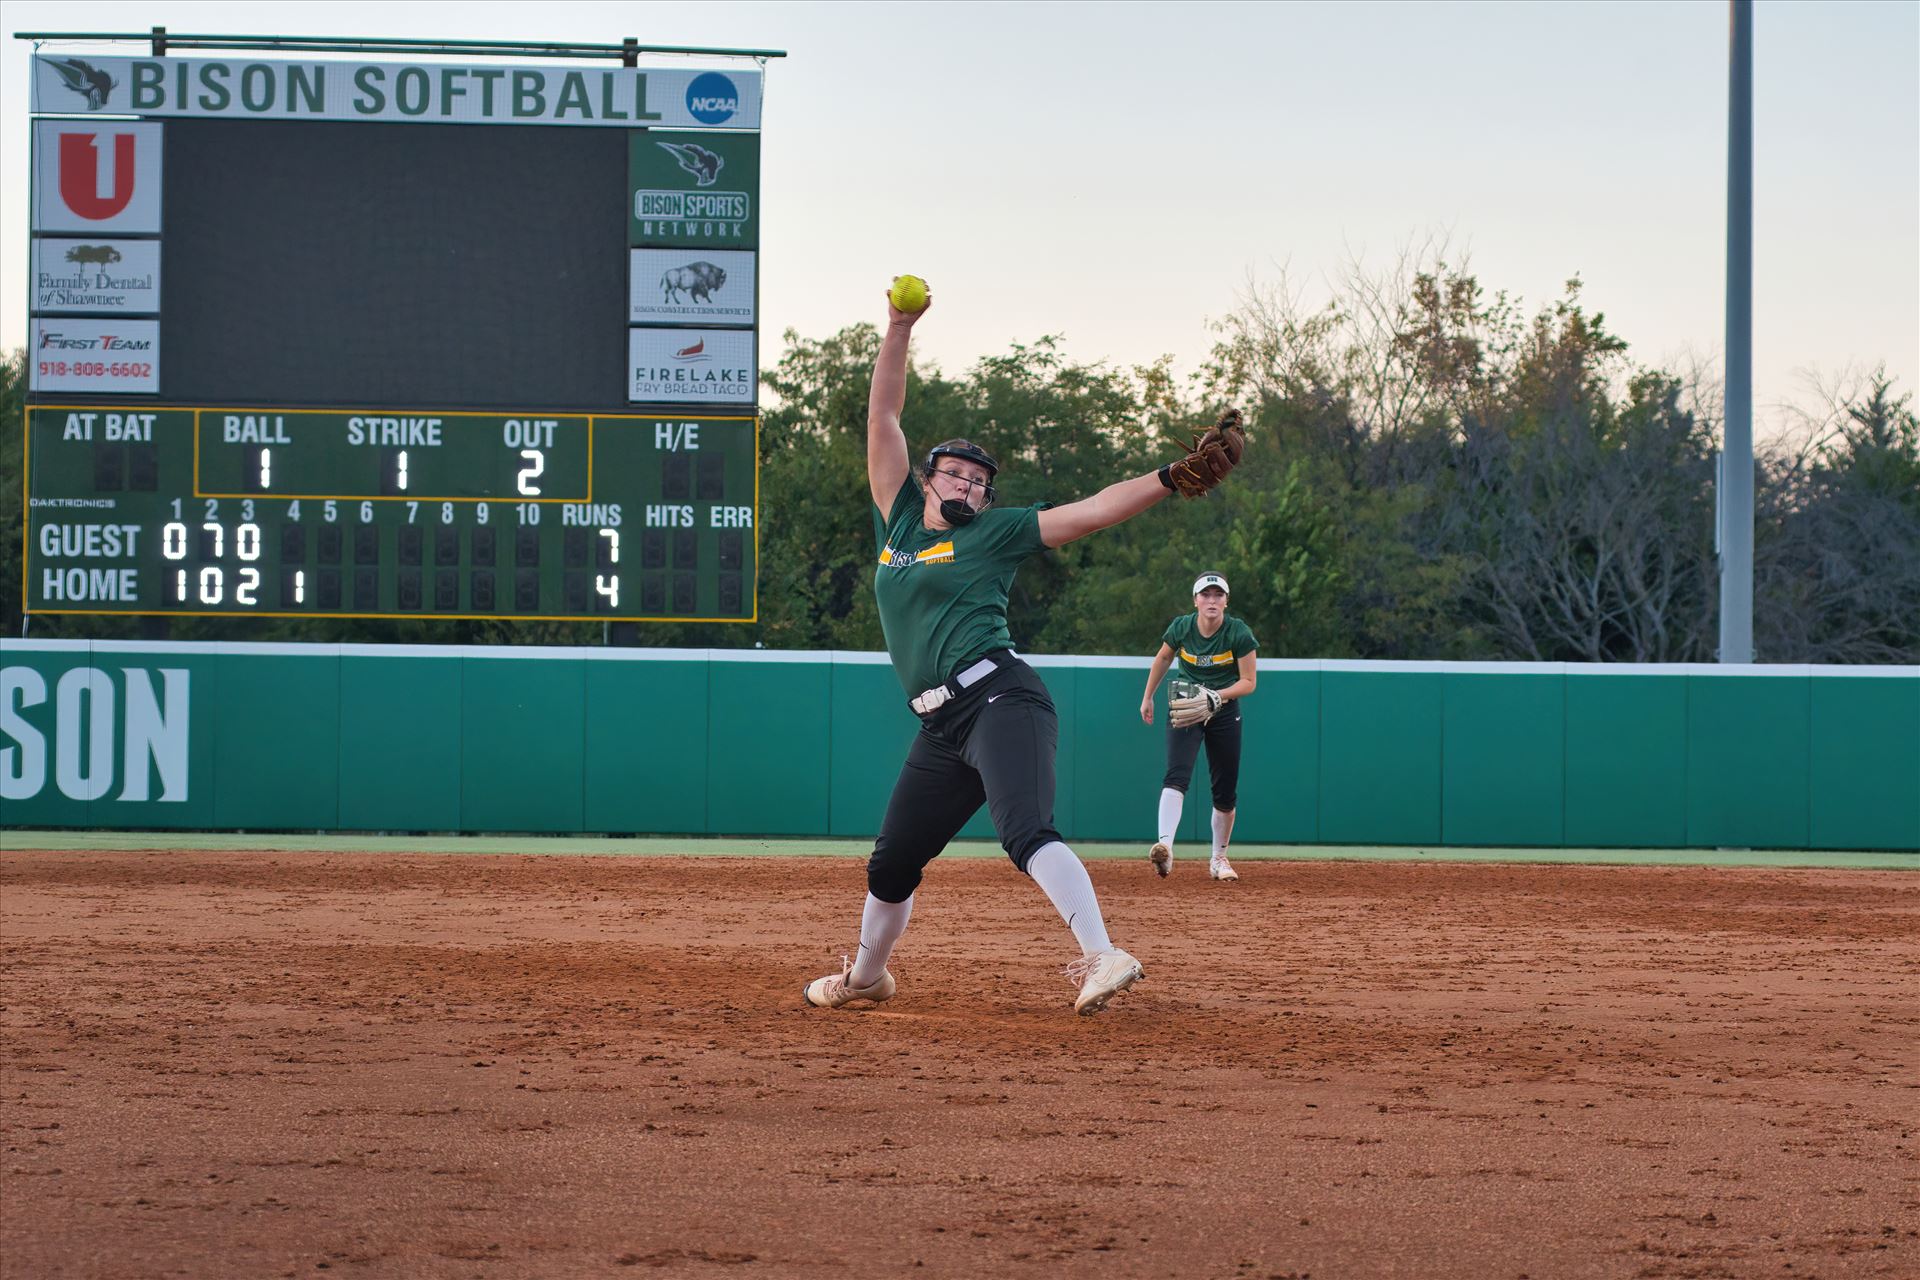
x,y
1171,636
1244,643
908,497
1012,533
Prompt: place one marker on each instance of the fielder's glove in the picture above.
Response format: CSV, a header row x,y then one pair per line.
x,y
1195,709
1209,459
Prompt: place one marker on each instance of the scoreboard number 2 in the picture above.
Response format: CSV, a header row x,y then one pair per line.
x,y
529,474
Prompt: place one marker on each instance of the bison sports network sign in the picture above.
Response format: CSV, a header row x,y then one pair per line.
x,y
430,93
693,189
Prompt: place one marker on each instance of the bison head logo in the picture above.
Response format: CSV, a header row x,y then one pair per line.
x,y
84,79
703,164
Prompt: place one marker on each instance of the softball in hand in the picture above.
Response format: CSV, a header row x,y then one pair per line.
x,y
909,294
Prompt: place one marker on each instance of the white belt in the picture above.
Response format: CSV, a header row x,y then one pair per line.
x,y
933,699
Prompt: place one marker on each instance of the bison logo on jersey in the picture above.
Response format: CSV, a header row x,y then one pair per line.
x,y
938,553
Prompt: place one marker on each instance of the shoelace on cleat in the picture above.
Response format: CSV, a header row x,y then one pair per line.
x,y
1081,969
838,984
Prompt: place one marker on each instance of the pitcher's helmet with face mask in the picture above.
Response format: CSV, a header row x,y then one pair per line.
x,y
955,511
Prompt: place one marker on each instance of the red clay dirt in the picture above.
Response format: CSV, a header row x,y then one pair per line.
x,y
274,1064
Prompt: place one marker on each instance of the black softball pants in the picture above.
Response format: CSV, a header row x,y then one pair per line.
x,y
994,744
1222,738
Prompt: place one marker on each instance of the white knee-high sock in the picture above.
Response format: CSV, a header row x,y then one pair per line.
x,y
1059,871
1170,802
1222,830
881,925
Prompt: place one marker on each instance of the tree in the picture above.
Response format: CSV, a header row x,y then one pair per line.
x,y
13,391
1837,533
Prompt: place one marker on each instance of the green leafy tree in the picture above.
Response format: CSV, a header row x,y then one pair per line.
x,y
13,389
1837,535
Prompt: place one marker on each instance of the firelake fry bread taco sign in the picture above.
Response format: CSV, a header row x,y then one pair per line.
x,y
625,97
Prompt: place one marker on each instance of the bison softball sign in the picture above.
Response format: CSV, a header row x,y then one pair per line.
x,y
260,89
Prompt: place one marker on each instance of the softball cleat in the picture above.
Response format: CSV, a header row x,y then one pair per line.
x,y
1162,858
1102,977
1221,869
834,990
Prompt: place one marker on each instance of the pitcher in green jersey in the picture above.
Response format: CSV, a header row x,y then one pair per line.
x,y
988,730
1212,653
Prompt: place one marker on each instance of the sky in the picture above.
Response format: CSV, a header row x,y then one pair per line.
x,y
1120,174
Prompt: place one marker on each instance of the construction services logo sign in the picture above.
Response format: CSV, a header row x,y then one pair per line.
x,y
120,277
691,366
428,93
96,177
693,190
686,286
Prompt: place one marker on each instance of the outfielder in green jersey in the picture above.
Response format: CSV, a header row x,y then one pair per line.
x,y
1211,653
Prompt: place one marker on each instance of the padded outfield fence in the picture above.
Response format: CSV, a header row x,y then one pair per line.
x,y
128,734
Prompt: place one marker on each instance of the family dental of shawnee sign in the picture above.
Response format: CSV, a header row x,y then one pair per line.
x,y
519,382
260,90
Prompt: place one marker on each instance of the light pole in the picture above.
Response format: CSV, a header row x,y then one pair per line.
x,y
1736,461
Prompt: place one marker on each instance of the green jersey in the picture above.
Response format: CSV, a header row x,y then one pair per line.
x,y
1210,660
943,593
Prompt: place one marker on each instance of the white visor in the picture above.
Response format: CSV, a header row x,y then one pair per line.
x,y
1206,580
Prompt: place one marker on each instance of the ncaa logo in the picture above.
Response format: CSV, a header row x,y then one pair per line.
x,y
712,99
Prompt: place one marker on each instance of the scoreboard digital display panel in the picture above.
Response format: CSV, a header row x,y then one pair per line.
x,y
328,513
359,340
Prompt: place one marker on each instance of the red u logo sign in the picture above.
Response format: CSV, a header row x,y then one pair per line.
x,y
80,174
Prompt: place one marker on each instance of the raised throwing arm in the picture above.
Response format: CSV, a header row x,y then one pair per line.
x,y
887,460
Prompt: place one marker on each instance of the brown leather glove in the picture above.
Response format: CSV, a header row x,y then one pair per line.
x,y
1212,456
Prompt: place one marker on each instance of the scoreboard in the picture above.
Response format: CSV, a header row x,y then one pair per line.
x,y
337,339
325,513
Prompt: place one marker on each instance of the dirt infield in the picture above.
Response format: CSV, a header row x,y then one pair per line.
x,y
222,1064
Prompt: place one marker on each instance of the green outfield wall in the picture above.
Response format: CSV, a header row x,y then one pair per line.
x,y
125,734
